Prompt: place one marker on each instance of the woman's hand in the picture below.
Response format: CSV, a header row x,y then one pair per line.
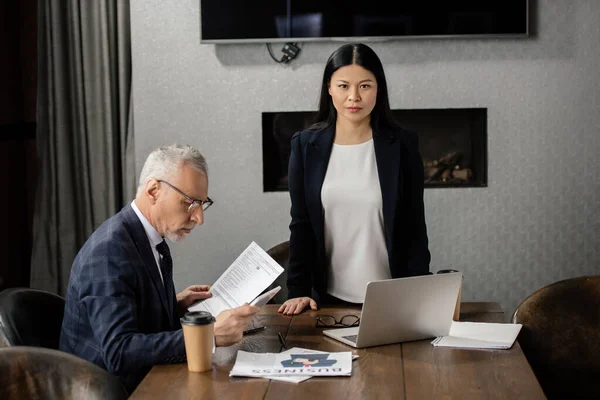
x,y
296,305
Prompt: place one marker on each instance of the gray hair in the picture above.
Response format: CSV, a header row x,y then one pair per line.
x,y
164,161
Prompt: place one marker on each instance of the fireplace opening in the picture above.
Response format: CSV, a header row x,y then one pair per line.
x,y
452,143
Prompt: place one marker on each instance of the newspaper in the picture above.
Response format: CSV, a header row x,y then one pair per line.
x,y
314,363
297,378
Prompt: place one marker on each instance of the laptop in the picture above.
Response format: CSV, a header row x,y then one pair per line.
x,y
403,310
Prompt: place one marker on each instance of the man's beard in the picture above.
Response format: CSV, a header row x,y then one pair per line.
x,y
175,237
178,235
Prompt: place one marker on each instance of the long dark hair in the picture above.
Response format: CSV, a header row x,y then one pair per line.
x,y
382,120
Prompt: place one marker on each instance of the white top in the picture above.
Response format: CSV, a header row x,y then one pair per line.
x,y
353,226
153,236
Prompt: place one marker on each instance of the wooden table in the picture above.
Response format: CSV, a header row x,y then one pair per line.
x,y
412,370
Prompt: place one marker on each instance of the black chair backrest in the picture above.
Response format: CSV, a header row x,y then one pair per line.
x,y
561,337
281,254
30,317
38,373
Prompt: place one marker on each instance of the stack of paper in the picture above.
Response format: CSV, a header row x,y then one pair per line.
x,y
295,364
479,335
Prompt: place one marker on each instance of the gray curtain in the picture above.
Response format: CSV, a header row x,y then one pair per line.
x,y
84,129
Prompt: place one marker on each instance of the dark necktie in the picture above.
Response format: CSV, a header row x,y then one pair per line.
x,y
166,268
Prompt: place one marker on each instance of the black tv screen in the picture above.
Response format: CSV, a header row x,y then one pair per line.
x,y
235,21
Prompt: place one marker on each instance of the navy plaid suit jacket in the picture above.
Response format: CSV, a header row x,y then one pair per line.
x,y
116,313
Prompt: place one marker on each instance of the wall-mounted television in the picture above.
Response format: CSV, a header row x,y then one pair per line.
x,y
266,21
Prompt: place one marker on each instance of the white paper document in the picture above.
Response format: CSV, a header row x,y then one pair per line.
x,y
247,277
479,335
297,378
263,365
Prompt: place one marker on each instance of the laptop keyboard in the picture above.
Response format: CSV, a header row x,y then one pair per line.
x,y
351,338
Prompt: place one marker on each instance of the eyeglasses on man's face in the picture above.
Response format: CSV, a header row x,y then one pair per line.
x,y
193,203
329,320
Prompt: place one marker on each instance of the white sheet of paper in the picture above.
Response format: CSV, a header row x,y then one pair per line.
x,y
248,276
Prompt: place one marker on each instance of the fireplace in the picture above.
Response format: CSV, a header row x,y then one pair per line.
x,y
452,142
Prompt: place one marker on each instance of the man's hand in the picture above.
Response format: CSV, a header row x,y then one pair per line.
x,y
192,294
296,305
230,324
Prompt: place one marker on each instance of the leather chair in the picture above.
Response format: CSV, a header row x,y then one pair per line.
x,y
561,337
30,317
281,254
39,373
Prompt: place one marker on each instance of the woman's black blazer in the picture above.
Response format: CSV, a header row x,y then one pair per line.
x,y
400,170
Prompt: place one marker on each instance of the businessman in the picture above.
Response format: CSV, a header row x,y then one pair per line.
x,y
121,311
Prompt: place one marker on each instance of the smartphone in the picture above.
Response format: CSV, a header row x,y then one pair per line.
x,y
265,297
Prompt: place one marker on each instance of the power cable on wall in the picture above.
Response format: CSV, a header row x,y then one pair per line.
x,y
289,50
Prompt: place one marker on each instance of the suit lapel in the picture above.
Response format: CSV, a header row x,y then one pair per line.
x,y
143,244
387,154
318,152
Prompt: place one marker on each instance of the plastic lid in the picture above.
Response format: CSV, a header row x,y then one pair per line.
x,y
197,318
